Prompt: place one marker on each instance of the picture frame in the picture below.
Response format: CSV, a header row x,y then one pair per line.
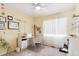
x,y
2,25
13,25
2,18
10,17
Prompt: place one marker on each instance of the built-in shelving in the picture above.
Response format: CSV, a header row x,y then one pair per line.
x,y
75,24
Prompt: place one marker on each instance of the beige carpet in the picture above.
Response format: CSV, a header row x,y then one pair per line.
x,y
38,51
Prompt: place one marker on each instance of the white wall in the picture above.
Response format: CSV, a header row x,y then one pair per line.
x,y
74,41
74,46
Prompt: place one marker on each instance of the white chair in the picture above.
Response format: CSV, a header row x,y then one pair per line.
x,y
37,40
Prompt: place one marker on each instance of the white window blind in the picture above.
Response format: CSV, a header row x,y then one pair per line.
x,y
55,27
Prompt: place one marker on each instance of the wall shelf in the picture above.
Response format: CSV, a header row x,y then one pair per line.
x,y
75,24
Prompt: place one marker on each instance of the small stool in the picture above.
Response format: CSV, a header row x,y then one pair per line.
x,y
38,44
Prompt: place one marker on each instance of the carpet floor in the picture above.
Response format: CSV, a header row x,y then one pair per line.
x,y
38,51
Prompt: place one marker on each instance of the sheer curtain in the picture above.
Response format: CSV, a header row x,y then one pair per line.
x,y
55,27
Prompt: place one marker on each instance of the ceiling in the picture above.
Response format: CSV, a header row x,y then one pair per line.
x,y
46,8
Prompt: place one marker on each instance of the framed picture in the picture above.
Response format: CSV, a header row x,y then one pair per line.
x,y
2,25
13,25
2,18
10,17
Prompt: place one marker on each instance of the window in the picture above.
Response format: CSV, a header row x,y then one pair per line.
x,y
55,27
